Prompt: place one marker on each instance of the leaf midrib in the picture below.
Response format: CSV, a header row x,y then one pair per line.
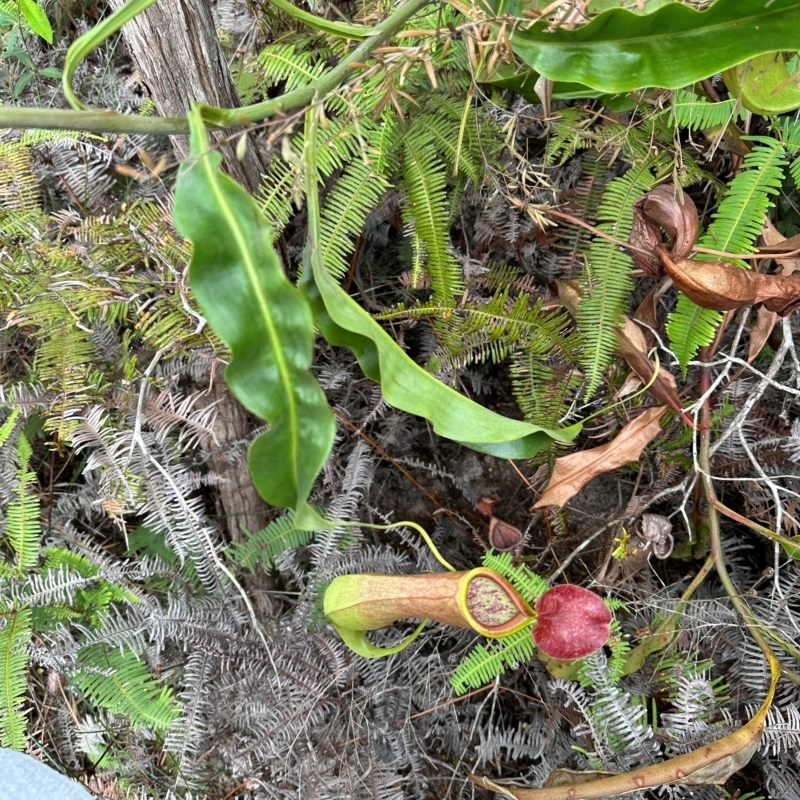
x,y
261,299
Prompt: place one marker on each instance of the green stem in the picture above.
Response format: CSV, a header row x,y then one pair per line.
x,y
791,546
112,122
342,29
704,464
60,119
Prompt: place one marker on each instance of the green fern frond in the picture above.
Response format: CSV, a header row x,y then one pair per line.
x,y
14,639
353,196
693,111
544,396
689,328
427,213
453,130
291,64
280,189
268,543
93,601
740,216
530,585
566,136
19,186
168,324
790,137
486,662
606,281
23,527
7,427
119,681
620,646
737,223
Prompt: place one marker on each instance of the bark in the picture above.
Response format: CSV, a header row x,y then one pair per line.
x,y
240,505
177,51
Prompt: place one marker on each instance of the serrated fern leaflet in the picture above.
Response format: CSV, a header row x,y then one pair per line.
x,y
737,223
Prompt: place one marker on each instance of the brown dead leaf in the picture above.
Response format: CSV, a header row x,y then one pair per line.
x,y
646,312
634,351
760,332
712,763
503,537
723,287
668,208
574,471
766,319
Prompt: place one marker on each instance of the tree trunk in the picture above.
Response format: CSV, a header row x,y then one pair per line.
x,y
177,51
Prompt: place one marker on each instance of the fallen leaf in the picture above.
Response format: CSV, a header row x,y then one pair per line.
x,y
503,537
574,471
712,763
723,287
760,332
634,350
668,208
568,777
766,319
646,312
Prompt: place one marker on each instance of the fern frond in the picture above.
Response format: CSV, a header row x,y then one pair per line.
x,y
19,186
291,64
606,280
347,206
690,110
186,734
119,681
268,543
691,327
23,527
14,639
8,426
566,136
485,663
544,395
737,223
740,216
427,212
280,189
530,585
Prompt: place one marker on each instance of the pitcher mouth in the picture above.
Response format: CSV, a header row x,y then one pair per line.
x,y
491,606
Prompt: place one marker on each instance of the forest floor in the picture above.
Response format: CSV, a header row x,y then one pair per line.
x,y
308,718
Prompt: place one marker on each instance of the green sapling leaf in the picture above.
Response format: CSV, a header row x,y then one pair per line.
x,y
36,19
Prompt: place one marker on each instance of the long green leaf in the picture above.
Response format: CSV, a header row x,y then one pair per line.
x,y
404,384
36,19
237,279
675,46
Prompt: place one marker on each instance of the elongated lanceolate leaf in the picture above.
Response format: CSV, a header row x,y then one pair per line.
x,y
237,279
37,19
405,385
673,47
